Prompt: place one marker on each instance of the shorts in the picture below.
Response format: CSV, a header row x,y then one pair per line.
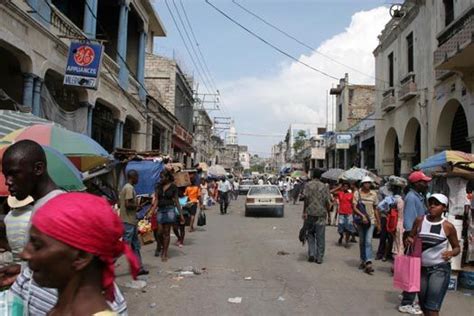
x,y
345,224
193,209
434,285
166,215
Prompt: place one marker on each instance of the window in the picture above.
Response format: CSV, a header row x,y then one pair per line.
x,y
390,69
340,112
410,52
448,11
351,95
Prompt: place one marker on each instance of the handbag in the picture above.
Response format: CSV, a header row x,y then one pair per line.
x,y
361,207
201,219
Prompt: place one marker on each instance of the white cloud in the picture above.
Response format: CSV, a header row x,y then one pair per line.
x,y
297,94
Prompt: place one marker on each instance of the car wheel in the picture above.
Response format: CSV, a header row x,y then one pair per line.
x,y
246,213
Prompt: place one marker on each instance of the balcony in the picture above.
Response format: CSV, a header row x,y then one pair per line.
x,y
456,44
388,101
408,88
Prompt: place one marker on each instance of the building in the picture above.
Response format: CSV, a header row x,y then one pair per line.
x,y
202,136
296,130
160,127
313,154
231,137
353,103
244,157
278,160
34,41
166,81
424,71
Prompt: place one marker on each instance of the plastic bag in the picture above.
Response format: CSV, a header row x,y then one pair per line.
x,y
201,219
10,304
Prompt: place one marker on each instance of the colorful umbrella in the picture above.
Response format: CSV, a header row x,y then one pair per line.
x,y
83,151
444,158
61,170
298,174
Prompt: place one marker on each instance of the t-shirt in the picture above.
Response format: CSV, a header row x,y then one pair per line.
x,y
317,198
345,202
193,193
17,222
224,186
370,200
128,216
167,198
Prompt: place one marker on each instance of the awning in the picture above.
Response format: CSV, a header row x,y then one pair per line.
x,y
180,144
13,120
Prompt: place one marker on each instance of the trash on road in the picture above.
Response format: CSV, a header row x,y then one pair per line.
x,y
178,278
274,227
136,284
281,298
152,305
235,300
282,253
186,273
248,278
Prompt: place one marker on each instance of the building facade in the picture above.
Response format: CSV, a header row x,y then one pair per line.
x,y
202,136
167,82
425,89
244,157
34,41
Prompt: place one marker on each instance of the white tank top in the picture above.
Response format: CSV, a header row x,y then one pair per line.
x,y
434,242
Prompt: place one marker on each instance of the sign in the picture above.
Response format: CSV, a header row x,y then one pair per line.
x,y
343,140
318,153
83,65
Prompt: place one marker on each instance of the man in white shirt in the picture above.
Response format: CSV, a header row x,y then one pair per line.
x,y
224,187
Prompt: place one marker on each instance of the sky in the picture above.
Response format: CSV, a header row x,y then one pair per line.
x,y
263,90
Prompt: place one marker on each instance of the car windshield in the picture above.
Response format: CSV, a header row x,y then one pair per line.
x,y
264,190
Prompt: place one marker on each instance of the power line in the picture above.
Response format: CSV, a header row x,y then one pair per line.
x,y
209,73
281,51
186,45
301,42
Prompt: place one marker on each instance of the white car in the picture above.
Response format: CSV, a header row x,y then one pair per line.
x,y
245,186
264,199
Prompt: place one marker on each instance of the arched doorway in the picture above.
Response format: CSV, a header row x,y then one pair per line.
x,y
130,129
12,66
412,143
103,126
453,130
391,159
68,98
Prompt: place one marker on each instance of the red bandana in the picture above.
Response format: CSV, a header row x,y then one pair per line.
x,y
87,222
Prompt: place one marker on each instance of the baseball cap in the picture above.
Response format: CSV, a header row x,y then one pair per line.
x,y
417,176
441,198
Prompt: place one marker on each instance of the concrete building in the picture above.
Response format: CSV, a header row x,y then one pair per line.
x,y
309,130
202,136
313,154
353,103
244,157
425,83
231,137
34,41
160,127
166,81
278,160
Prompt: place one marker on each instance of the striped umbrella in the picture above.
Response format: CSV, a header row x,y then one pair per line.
x,y
60,169
83,151
11,121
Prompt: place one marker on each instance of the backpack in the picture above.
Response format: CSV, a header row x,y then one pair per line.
x,y
392,219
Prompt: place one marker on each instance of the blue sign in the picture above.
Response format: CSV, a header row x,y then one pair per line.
x,y
83,64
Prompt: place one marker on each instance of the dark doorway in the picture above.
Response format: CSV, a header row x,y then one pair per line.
x,y
459,132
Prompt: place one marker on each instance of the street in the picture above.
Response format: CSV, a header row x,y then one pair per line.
x,y
232,248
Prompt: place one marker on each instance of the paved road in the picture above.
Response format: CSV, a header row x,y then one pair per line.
x,y
233,247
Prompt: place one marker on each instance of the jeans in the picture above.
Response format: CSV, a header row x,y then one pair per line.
x,y
224,201
365,242
433,285
130,236
381,252
408,298
316,241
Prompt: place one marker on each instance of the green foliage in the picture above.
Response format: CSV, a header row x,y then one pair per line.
x,y
300,139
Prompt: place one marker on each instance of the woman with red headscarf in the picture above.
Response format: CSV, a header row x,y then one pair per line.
x,y
74,240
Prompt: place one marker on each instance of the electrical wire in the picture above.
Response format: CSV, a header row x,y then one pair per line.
x,y
313,49
186,46
281,51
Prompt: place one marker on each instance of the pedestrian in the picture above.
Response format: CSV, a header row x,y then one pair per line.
x,y
224,189
204,194
435,232
167,200
193,192
389,207
24,166
236,188
73,250
397,236
344,199
128,213
296,191
364,202
315,210
286,190
415,206
179,227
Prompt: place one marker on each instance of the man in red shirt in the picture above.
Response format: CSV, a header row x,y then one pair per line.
x,y
344,227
